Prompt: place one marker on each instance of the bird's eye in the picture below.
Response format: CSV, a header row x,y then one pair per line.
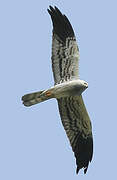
x,y
85,83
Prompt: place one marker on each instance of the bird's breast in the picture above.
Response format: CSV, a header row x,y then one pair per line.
x,y
71,88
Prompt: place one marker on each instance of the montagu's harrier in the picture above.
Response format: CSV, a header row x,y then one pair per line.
x,y
67,90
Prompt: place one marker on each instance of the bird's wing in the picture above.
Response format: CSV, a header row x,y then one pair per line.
x,y
78,128
65,53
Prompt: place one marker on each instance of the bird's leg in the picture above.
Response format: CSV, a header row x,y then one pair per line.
x,y
48,93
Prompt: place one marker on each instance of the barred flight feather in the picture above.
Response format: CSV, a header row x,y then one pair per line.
x,y
65,52
78,128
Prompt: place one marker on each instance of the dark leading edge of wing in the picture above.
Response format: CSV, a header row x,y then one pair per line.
x,y
61,24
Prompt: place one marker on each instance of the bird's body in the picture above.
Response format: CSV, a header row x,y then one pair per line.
x,y
67,90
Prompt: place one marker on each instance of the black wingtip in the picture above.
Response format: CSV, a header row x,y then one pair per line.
x,y
57,10
83,152
48,9
85,170
51,8
77,170
61,24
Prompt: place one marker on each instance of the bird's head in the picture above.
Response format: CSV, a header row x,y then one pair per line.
x,y
84,84
79,87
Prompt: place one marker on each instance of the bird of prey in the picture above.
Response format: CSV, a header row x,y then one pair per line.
x,y
67,89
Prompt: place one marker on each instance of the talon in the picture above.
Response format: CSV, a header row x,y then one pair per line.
x,y
48,93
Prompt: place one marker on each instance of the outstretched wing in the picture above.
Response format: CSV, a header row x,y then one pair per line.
x,y
65,53
78,128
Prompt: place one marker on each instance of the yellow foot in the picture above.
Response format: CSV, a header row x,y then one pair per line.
x,y
48,93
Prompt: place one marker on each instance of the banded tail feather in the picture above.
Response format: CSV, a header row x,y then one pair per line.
x,y
32,98
36,97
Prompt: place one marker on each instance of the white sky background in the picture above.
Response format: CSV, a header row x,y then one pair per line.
x,y
33,144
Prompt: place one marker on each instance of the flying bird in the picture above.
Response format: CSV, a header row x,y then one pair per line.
x,y
67,90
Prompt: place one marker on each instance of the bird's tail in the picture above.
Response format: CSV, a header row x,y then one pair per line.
x,y
36,97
